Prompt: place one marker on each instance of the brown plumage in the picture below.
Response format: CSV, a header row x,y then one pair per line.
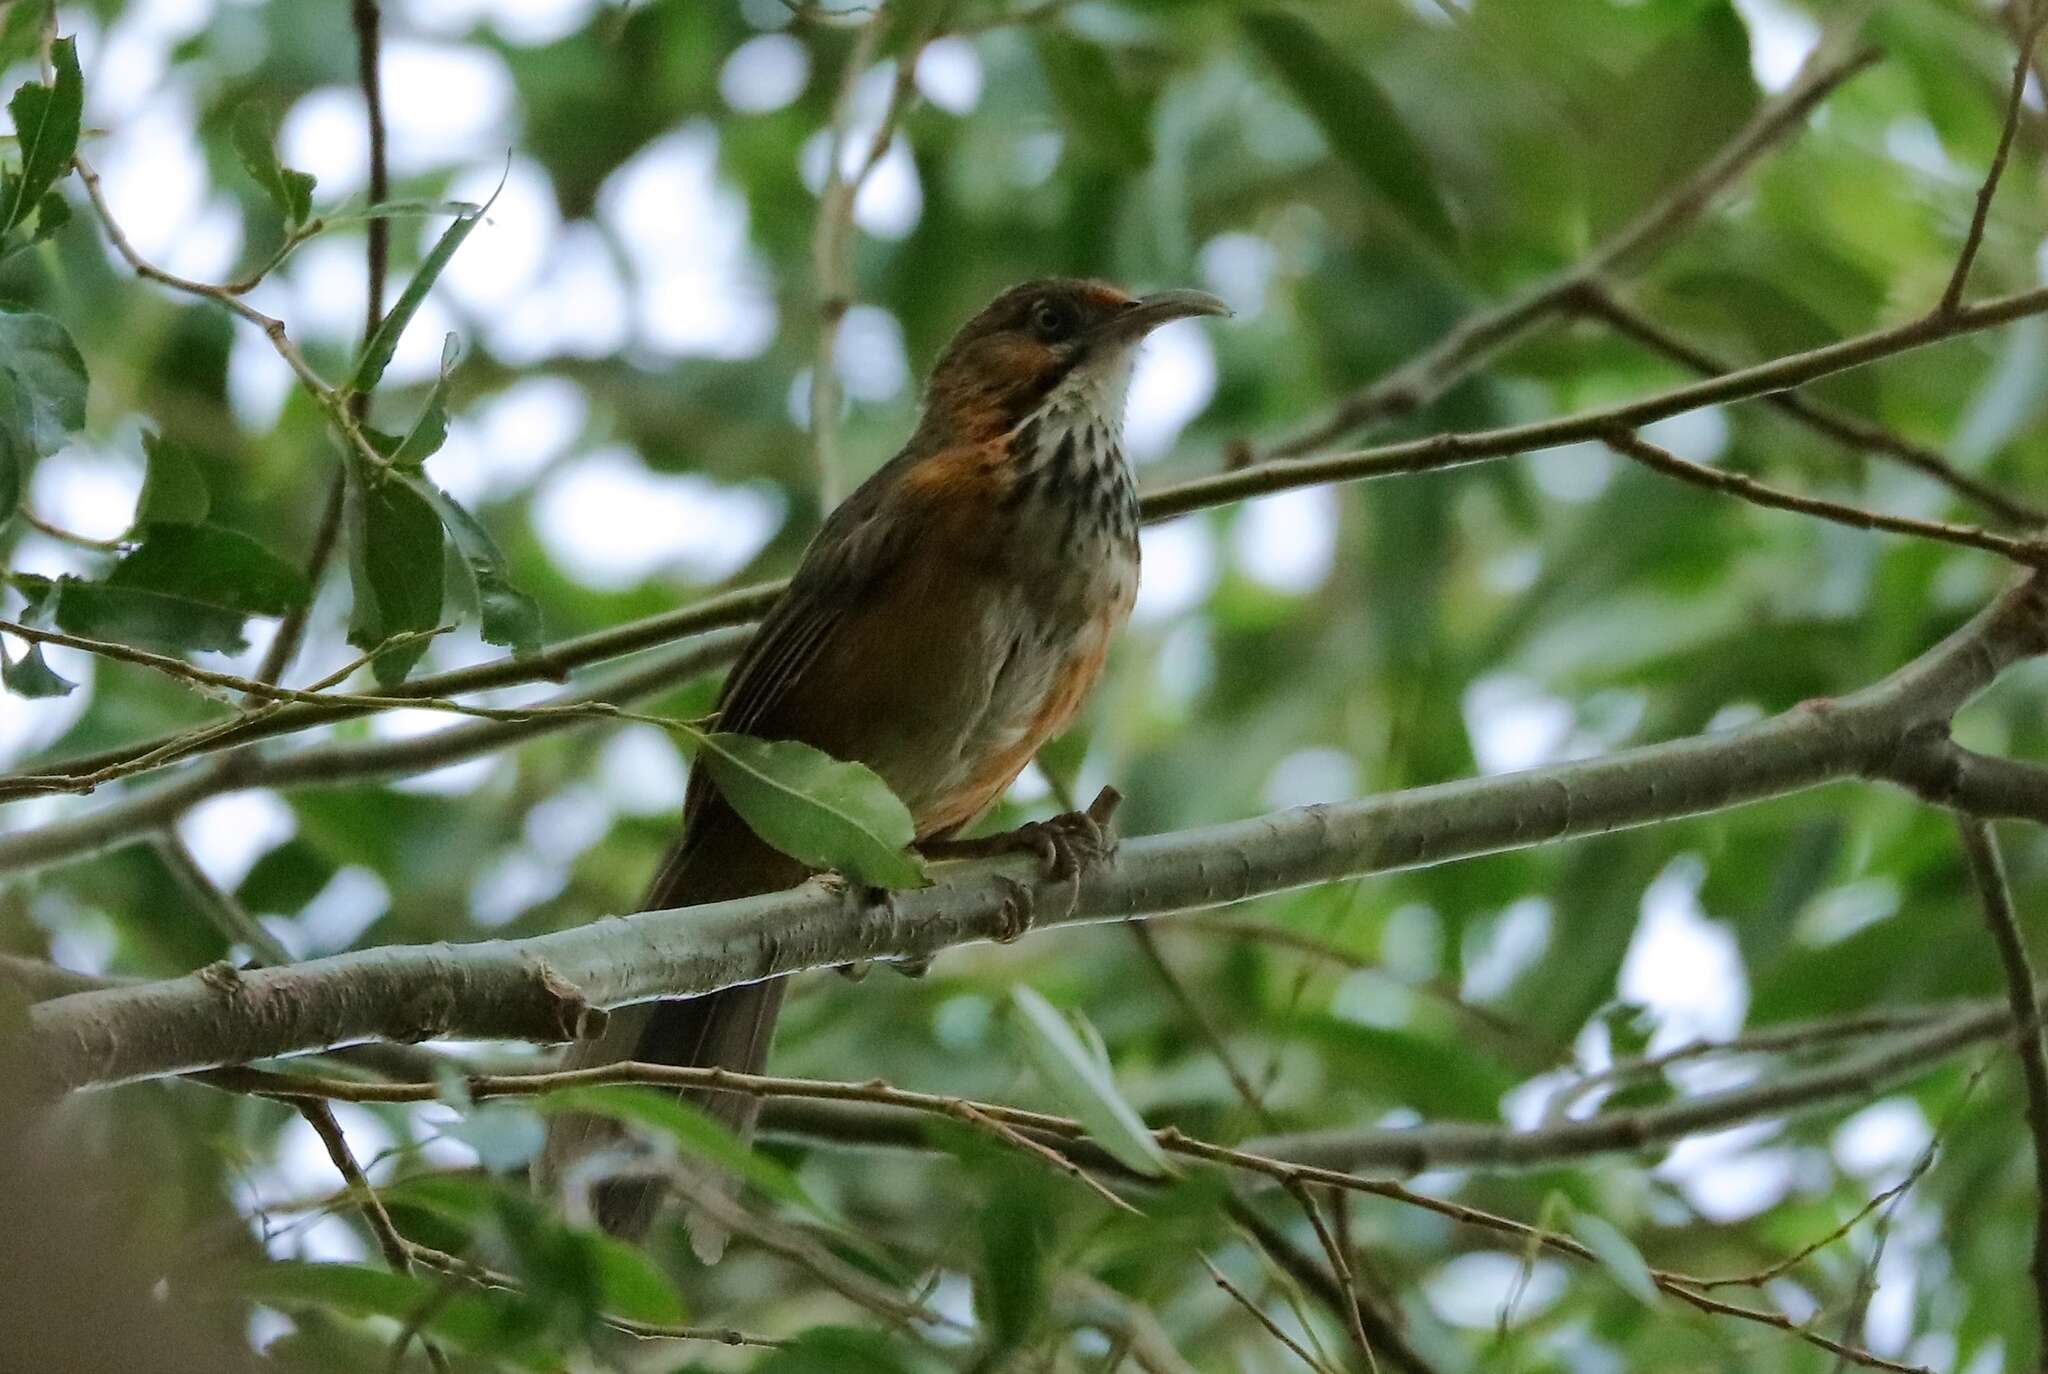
x,y
948,619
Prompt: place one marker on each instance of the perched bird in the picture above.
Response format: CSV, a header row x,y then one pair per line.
x,y
947,620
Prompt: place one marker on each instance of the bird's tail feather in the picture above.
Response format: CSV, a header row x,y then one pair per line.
x,y
730,1029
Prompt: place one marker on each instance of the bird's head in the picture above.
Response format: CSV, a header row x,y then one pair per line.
x,y
1058,342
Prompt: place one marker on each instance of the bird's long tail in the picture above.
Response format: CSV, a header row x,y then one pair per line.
x,y
729,1030
586,1156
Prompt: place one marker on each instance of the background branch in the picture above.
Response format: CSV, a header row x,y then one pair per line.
x,y
535,988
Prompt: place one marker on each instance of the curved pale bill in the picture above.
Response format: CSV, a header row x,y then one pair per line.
x,y
1149,312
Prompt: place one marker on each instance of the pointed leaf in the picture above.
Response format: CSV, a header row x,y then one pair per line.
x,y
1616,1252
629,1284
147,619
42,397
470,1320
430,431
510,616
53,212
1362,126
811,806
30,676
400,209
383,340
290,191
219,566
395,568
173,492
46,123
693,1132
1071,1070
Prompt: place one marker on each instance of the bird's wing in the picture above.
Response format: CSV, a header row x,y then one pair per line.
x,y
862,541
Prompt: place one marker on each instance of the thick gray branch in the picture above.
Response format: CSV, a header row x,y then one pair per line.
x,y
549,986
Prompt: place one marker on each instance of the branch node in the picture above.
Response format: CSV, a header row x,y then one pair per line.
x,y
568,1010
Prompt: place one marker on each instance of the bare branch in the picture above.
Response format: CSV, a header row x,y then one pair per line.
x,y
1974,238
1980,847
1482,335
2029,552
1596,302
490,989
832,240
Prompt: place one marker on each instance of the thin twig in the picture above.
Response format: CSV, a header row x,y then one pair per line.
x,y
1980,846
1483,334
832,240
1597,302
229,916
1272,1327
1974,239
1287,1173
484,1277
62,535
1148,945
207,677
291,630
1354,1320
2029,552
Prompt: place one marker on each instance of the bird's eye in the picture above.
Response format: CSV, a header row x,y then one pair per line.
x,y
1052,320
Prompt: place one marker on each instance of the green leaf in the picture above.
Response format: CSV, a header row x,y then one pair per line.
x,y
30,676
1101,117
42,397
1073,1071
1437,1079
510,616
1362,126
400,209
1670,113
467,1319
145,618
21,31
383,340
1616,1252
395,567
219,566
53,212
430,431
173,492
46,123
834,1350
1014,1281
290,191
629,1284
693,1132
811,806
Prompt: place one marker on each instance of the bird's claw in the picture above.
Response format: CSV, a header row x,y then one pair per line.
x,y
1071,842
1013,917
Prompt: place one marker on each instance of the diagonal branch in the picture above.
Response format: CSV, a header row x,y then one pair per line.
x,y
1595,301
1952,297
523,989
1482,335
2029,552
1980,847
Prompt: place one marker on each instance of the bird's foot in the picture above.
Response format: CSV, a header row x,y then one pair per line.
x,y
1066,844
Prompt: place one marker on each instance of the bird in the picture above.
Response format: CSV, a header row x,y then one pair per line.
x,y
949,617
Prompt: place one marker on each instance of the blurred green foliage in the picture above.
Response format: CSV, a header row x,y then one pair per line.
x,y
1356,177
